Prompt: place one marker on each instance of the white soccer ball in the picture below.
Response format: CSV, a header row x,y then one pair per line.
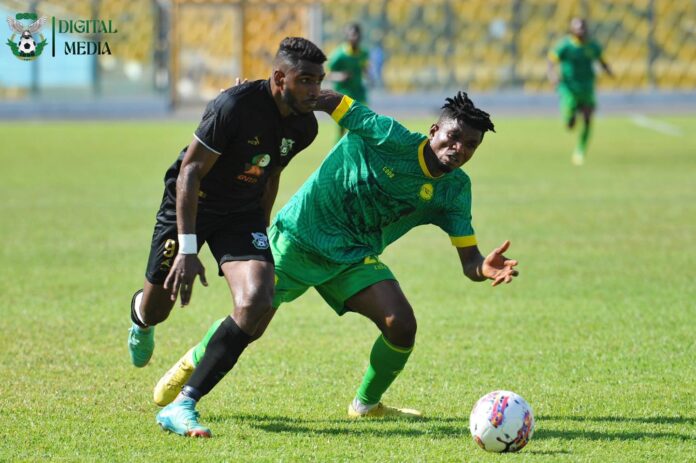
x,y
501,421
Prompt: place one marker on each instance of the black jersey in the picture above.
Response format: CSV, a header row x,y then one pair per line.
x,y
243,125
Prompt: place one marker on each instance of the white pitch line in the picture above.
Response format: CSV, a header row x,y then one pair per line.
x,y
642,120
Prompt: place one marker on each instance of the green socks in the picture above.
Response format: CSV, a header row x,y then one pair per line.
x,y
199,350
581,147
386,362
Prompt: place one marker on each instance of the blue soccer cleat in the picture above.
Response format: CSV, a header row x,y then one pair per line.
x,y
141,344
181,417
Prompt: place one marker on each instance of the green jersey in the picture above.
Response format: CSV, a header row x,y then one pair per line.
x,y
343,59
576,60
371,189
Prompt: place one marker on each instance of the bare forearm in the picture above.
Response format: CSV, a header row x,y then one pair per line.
x,y
187,187
473,270
328,101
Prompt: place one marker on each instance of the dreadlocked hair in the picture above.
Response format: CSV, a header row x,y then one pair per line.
x,y
462,109
295,49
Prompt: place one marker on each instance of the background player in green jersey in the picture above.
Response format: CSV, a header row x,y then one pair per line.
x,y
377,183
576,54
348,64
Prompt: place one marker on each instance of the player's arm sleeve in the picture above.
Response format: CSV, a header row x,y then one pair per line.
x,y
598,50
556,53
455,220
374,128
219,124
333,61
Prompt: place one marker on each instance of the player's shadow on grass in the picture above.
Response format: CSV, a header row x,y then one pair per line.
x,y
430,427
547,431
623,419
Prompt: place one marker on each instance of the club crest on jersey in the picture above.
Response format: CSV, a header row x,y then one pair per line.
x,y
260,240
426,192
286,146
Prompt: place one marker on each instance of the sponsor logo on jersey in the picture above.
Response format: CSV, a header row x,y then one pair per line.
x,y
286,146
262,160
260,240
254,169
426,192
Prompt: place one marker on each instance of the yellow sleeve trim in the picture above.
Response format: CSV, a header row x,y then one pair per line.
x,y
342,108
463,241
553,56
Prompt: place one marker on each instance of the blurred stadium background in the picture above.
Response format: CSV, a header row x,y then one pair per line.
x,y
176,54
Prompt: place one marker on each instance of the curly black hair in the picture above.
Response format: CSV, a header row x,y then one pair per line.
x,y
462,109
294,49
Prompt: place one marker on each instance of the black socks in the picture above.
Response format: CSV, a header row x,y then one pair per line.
x,y
221,354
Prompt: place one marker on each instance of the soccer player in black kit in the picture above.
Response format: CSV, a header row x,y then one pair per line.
x,y
221,191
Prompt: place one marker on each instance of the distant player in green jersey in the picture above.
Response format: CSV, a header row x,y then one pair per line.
x,y
576,54
376,184
348,64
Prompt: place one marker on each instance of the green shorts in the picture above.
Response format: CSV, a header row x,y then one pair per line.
x,y
296,270
572,100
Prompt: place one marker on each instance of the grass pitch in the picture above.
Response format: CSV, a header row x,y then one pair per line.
x,y
597,333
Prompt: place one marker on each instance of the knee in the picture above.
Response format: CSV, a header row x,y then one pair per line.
x,y
259,303
251,311
401,329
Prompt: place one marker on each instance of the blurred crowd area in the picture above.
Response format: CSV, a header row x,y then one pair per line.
x,y
186,50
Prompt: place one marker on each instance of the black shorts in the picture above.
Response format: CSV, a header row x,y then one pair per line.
x,y
231,236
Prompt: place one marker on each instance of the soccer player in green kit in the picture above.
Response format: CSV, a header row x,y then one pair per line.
x,y
576,54
347,66
376,184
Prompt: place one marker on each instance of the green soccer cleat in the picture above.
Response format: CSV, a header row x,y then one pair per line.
x,y
181,418
141,344
578,158
169,386
382,411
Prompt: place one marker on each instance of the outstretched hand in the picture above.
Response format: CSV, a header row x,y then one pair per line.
x,y
497,267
